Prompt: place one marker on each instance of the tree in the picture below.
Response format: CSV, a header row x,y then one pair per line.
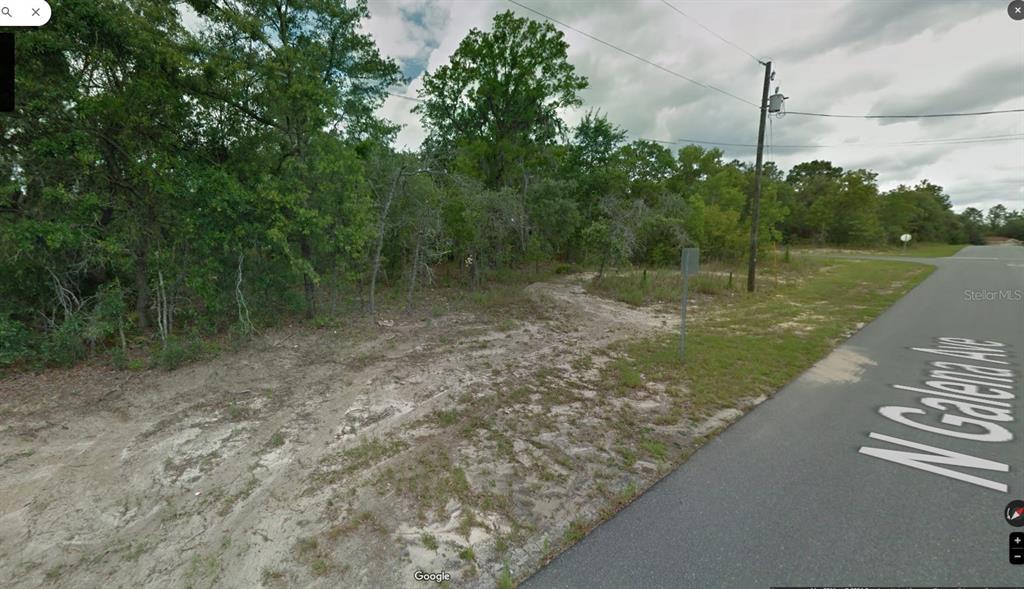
x,y
973,222
857,221
592,163
301,74
996,217
923,210
99,165
647,166
813,201
614,236
499,96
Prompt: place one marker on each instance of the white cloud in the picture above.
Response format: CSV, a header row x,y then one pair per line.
x,y
921,56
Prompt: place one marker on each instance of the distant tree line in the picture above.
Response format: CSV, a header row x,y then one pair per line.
x,y
162,183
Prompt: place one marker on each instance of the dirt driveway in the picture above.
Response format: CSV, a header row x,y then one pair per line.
x,y
316,458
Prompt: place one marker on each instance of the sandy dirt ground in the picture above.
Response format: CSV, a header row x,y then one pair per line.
x,y
313,458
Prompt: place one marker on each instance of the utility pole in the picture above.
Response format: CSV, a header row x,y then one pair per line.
x,y
755,208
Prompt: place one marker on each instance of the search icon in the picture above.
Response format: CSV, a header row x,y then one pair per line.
x,y
31,13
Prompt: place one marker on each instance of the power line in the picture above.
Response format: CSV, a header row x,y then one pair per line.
x,y
923,142
701,25
772,145
634,56
921,116
413,98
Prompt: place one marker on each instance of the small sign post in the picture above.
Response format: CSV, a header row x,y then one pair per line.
x,y
905,238
689,263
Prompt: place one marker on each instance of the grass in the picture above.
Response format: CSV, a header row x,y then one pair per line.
x,y
917,250
926,250
429,541
654,448
663,285
231,500
576,531
446,417
505,580
366,454
638,288
276,440
755,343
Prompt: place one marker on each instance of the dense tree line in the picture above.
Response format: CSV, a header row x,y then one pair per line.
x,y
157,181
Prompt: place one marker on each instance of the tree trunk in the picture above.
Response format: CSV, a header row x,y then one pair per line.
x,y
522,212
604,258
141,287
412,278
382,226
307,281
374,271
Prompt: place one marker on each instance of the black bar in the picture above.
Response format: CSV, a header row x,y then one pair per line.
x,y
6,72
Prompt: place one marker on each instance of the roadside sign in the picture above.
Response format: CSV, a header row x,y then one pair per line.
x,y
691,260
689,263
905,237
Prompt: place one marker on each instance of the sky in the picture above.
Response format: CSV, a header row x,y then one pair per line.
x,y
833,56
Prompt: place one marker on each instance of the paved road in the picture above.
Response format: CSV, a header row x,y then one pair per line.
x,y
786,495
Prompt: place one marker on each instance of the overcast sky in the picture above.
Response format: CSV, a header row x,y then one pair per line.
x,y
846,57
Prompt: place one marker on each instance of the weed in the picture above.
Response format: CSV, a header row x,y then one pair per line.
x,y
429,541
174,353
576,531
307,545
628,493
231,500
271,576
505,580
583,363
136,550
501,545
467,522
320,567
624,374
628,456
654,448
446,417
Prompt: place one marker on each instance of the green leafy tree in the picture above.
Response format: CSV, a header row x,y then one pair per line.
x,y
499,96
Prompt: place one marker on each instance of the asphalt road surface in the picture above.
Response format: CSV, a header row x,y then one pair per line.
x,y
803,491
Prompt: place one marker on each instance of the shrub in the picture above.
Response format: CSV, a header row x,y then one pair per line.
x,y
65,345
15,341
175,353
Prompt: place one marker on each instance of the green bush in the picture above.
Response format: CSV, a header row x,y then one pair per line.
x,y
118,359
107,315
175,353
65,345
15,341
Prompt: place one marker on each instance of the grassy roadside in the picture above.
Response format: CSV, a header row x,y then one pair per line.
x,y
540,427
649,413
917,250
925,250
754,344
